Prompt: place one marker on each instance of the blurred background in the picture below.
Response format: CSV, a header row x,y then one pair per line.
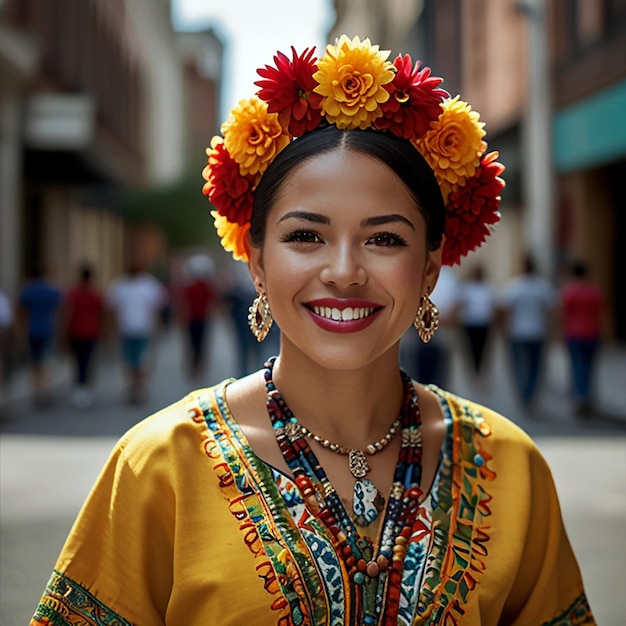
x,y
106,108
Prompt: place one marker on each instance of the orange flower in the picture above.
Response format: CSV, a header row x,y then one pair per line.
x,y
233,237
454,144
352,76
253,137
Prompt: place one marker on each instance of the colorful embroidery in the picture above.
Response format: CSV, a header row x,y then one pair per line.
x,y
287,567
458,548
577,614
451,539
65,602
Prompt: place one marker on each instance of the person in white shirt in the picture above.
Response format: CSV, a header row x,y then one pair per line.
x,y
477,306
528,303
136,299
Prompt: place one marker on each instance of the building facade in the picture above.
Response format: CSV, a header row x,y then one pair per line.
x,y
589,135
94,99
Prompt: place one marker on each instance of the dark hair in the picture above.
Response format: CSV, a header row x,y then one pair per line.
x,y
85,272
530,266
398,154
579,269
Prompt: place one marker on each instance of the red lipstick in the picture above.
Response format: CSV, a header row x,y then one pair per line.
x,y
348,315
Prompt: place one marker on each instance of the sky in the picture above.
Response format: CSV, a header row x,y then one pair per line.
x,y
252,31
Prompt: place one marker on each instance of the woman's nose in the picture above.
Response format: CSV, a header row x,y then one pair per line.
x,y
344,267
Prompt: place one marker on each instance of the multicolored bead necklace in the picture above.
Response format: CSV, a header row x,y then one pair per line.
x,y
376,575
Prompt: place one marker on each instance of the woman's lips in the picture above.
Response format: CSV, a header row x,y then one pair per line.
x,y
343,316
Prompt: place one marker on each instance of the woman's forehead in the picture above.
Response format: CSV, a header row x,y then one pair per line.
x,y
343,180
341,167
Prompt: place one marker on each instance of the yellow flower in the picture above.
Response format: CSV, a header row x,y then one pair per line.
x,y
233,237
454,144
351,77
253,137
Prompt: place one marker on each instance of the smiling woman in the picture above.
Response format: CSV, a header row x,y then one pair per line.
x,y
328,487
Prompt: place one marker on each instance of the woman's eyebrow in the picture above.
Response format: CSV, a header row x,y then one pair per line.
x,y
379,220
303,215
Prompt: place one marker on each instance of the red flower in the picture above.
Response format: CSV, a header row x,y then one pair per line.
x,y
471,209
415,100
288,91
227,189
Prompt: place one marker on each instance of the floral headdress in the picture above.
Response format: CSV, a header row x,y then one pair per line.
x,y
354,86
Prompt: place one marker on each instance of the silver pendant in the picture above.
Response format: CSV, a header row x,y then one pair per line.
x,y
358,463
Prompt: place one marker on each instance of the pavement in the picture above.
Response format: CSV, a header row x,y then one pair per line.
x,y
50,457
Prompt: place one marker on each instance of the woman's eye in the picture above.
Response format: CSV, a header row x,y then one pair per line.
x,y
387,239
302,236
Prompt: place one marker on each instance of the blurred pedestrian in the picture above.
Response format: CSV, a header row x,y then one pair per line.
x,y
431,362
37,310
136,300
83,316
527,306
197,301
6,323
477,310
581,317
238,297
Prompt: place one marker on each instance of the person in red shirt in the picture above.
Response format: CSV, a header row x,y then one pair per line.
x,y
582,309
198,299
83,314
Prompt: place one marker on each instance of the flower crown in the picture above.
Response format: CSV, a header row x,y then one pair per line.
x,y
354,86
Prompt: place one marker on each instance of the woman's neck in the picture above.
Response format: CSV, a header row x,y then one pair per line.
x,y
352,408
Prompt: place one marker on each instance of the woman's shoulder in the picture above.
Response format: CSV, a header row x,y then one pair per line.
x,y
486,421
171,429
479,433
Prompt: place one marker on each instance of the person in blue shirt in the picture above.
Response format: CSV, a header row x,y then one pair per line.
x,y
38,304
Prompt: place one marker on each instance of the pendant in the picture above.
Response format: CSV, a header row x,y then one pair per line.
x,y
358,463
367,503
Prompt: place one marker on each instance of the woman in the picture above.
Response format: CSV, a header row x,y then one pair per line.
x,y
83,320
581,317
328,488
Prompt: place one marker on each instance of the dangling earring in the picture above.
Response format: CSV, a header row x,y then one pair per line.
x,y
426,319
260,317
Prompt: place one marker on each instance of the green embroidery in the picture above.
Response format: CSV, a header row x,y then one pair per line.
x,y
65,601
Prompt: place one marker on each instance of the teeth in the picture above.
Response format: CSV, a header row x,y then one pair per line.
x,y
345,315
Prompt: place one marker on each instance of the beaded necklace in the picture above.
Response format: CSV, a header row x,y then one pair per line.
x,y
357,461
375,574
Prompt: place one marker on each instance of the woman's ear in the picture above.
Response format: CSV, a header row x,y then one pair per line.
x,y
432,267
255,265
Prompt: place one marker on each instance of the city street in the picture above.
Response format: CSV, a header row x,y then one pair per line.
x,y
50,458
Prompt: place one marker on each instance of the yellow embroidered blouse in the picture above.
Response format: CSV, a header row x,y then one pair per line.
x,y
185,525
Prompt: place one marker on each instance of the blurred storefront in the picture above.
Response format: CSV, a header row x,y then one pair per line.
x,y
94,99
589,93
549,79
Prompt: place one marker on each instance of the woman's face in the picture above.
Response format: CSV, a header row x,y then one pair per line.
x,y
344,261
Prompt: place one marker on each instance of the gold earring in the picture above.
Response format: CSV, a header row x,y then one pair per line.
x,y
426,319
260,317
